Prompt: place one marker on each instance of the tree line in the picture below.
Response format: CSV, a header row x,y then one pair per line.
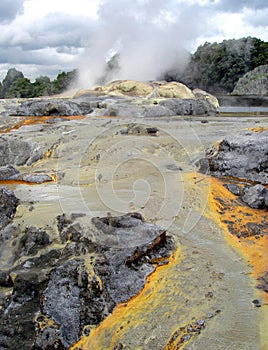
x,y
15,84
217,67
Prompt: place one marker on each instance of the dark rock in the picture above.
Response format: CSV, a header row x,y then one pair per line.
x,y
63,302
256,197
8,206
243,156
125,267
5,279
32,240
53,107
17,328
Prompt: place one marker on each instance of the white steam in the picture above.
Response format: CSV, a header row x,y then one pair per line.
x,y
151,36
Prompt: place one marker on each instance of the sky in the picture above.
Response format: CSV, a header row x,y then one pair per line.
x,y
46,37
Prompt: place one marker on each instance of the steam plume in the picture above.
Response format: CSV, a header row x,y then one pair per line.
x,y
150,36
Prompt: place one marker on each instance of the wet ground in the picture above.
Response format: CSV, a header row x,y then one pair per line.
x,y
202,299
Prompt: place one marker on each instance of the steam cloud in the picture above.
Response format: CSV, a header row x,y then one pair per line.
x,y
151,36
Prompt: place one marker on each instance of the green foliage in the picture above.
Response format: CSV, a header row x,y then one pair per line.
x,y
16,85
20,87
64,81
42,86
217,67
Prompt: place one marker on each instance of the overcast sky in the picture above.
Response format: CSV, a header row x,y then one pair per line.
x,y
44,37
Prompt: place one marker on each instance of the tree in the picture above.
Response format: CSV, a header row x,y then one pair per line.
x,y
21,87
64,81
42,86
10,78
217,67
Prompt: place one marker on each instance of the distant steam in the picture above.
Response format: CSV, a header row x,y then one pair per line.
x,y
148,36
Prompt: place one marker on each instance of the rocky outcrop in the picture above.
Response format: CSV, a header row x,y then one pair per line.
x,y
58,291
254,82
51,107
244,159
244,156
124,98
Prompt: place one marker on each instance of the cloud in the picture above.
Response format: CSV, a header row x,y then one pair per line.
x,y
238,5
257,18
10,9
149,35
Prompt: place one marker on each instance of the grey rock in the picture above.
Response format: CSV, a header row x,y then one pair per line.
x,y
188,106
7,172
233,188
35,178
8,206
51,107
62,300
18,151
256,197
125,267
244,156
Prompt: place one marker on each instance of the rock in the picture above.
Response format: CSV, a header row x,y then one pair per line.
x,y
188,106
234,189
7,172
256,197
51,107
5,279
244,156
56,294
37,178
136,129
173,90
254,82
19,151
62,302
17,332
32,240
8,206
125,266
201,94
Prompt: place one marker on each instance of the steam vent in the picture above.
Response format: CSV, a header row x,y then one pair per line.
x,y
133,216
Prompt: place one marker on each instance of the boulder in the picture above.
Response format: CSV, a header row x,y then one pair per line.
x,y
244,156
18,152
256,197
